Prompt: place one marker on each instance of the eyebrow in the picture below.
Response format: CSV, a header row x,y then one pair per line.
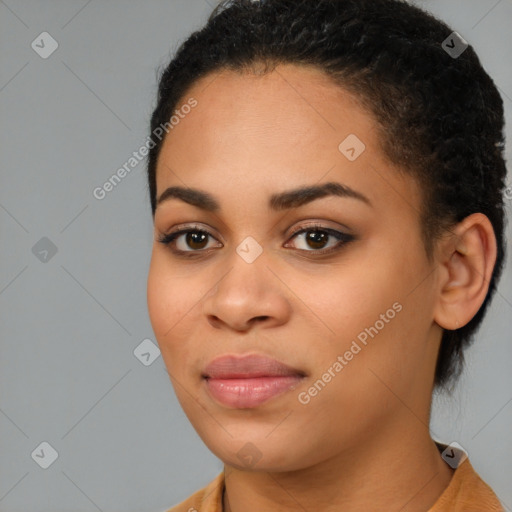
x,y
280,201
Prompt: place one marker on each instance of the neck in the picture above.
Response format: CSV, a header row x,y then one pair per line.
x,y
398,471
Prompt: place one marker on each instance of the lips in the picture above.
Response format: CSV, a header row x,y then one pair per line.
x,y
250,366
248,381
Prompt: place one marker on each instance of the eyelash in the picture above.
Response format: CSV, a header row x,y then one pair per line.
x,y
170,238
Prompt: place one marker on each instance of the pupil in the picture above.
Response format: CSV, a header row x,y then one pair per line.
x,y
316,237
195,238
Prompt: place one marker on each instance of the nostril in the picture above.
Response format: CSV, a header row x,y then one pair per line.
x,y
258,318
214,321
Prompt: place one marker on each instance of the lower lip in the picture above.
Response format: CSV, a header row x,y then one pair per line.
x,y
247,393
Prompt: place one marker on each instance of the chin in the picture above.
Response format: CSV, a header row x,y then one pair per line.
x,y
251,450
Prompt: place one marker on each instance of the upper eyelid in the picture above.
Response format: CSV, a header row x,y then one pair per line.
x,y
318,224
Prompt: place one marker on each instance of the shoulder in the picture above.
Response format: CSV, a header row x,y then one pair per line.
x,y
467,492
207,499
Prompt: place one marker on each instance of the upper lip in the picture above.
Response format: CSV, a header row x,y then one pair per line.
x,y
247,366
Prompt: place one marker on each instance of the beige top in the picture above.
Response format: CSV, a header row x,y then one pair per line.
x,y
466,492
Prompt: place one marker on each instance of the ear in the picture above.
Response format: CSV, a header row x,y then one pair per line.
x,y
466,260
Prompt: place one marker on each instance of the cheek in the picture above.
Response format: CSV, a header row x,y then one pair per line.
x,y
349,298
160,307
347,398
374,323
169,299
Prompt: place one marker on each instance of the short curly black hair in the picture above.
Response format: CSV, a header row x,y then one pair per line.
x,y
440,117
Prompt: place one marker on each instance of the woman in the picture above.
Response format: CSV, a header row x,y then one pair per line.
x,y
328,213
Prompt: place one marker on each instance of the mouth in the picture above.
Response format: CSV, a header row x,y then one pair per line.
x,y
243,382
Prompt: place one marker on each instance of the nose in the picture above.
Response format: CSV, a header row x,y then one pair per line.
x,y
248,294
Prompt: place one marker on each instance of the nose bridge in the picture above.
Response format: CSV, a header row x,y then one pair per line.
x,y
246,290
247,267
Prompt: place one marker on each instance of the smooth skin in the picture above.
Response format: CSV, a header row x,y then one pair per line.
x,y
362,442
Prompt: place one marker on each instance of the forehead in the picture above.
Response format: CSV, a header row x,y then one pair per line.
x,y
253,133
298,100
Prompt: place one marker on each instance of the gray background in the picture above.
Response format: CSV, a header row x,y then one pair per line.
x,y
70,325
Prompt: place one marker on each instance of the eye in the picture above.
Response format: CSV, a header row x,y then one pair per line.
x,y
191,241
317,239
188,239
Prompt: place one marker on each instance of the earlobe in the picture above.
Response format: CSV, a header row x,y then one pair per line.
x,y
467,260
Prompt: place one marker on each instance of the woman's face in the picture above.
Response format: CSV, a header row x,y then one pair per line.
x,y
348,307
